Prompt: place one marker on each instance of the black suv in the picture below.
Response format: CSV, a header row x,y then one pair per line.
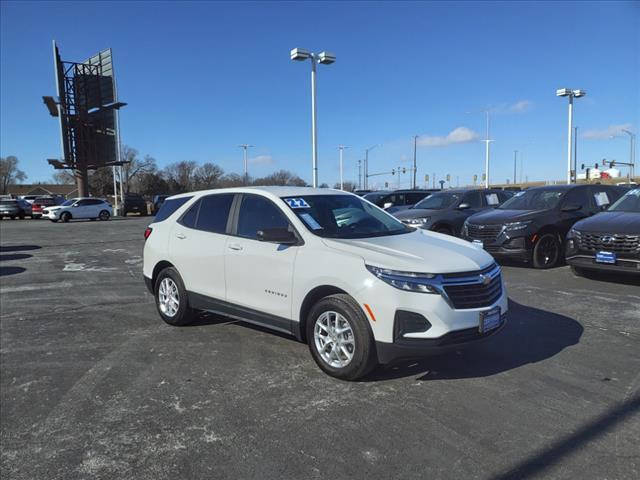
x,y
609,240
531,226
396,200
134,203
446,211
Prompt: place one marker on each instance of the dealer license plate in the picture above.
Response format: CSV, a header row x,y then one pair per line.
x,y
489,320
606,257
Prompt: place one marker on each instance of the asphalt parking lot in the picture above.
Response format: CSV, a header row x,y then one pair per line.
x,y
94,385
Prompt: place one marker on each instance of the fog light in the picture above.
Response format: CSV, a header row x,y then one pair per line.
x,y
407,323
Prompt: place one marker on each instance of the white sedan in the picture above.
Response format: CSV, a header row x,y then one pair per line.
x,y
82,207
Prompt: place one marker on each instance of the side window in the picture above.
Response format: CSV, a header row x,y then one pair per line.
x,y
413,198
95,202
258,213
83,203
577,196
189,217
398,199
214,213
170,206
473,199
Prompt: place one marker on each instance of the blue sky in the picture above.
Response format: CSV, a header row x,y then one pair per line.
x,y
201,78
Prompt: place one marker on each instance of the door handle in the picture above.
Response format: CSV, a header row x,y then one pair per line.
x,y
235,246
181,236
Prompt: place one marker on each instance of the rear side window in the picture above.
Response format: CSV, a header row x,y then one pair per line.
x,y
190,216
170,206
257,213
577,196
214,213
473,199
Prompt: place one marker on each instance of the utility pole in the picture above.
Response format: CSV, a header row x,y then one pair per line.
x,y
632,151
434,180
575,154
245,146
366,166
515,160
359,174
486,153
415,149
341,148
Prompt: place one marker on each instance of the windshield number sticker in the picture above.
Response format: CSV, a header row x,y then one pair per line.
x,y
601,199
297,203
492,199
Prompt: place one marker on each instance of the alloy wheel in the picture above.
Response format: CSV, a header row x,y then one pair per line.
x,y
334,339
168,297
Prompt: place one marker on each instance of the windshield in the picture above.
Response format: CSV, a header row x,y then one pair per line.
x,y
533,200
629,202
439,201
343,216
375,197
68,203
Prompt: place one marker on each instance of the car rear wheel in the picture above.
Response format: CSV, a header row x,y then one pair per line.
x,y
171,298
444,230
339,338
104,215
65,217
546,253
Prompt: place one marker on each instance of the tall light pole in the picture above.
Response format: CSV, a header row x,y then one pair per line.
x,y
366,165
341,148
325,58
244,147
632,151
486,153
415,168
515,160
567,92
359,174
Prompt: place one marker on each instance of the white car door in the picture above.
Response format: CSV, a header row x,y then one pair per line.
x,y
259,275
197,245
81,209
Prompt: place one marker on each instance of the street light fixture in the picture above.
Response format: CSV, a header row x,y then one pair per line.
x,y
567,92
326,58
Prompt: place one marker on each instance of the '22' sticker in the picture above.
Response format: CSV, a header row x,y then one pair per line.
x,y
297,203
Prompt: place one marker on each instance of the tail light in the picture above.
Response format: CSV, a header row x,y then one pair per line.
x,y
147,232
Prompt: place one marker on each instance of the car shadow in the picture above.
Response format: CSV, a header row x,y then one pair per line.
x,y
14,256
609,277
18,248
6,271
530,336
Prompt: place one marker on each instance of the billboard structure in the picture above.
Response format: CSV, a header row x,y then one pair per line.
x,y
87,107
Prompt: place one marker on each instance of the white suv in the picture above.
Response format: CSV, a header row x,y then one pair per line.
x,y
325,266
82,207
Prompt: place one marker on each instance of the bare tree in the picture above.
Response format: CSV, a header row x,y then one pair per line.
x,y
10,173
135,166
281,177
63,177
180,176
232,180
347,186
208,175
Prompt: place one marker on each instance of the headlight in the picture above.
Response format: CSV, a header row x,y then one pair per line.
x,y
514,226
407,281
465,228
571,234
416,221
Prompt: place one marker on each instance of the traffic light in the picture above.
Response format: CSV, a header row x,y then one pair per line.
x,y
475,178
404,170
484,177
448,177
393,171
582,167
612,163
426,178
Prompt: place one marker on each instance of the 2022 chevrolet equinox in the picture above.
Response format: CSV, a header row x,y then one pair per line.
x,y
333,270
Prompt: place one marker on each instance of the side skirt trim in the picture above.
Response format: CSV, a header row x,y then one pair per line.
x,y
249,315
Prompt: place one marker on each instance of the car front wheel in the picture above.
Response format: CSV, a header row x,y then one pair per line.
x,y
339,338
104,215
171,298
546,253
65,217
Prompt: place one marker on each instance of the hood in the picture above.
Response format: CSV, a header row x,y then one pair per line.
x,y
398,208
497,216
416,213
419,251
626,223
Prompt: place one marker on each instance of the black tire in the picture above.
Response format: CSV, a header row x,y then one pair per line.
x,y
184,314
21,215
65,217
103,215
547,251
13,217
364,358
54,221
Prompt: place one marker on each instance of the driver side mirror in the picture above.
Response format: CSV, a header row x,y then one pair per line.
x,y
464,206
75,205
277,235
571,208
387,205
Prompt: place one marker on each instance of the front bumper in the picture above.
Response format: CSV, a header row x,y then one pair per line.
x,y
588,262
415,348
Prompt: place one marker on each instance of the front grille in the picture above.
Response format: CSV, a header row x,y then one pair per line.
x,y
594,242
483,232
475,294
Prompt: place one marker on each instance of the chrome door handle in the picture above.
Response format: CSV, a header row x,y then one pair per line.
x,y
235,246
181,236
